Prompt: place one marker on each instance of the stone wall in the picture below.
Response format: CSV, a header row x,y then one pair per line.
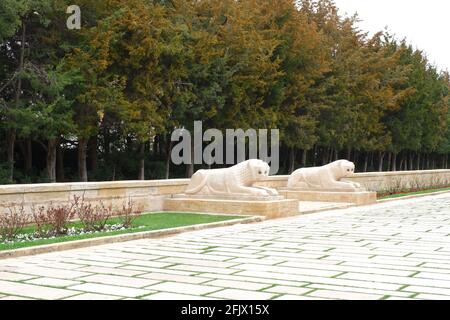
x,y
387,181
395,181
149,195
146,195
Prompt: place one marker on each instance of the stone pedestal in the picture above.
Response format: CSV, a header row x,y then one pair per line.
x,y
270,207
356,197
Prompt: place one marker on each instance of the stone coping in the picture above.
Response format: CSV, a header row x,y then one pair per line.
x,y
373,174
227,197
77,244
81,186
398,173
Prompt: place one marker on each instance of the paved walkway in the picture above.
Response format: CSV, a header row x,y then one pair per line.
x,y
395,250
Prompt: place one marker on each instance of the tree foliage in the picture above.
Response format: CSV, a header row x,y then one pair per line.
x,y
101,102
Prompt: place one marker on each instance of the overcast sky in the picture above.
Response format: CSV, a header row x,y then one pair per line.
x,y
425,23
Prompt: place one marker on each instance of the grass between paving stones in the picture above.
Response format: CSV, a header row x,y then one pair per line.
x,y
145,222
405,194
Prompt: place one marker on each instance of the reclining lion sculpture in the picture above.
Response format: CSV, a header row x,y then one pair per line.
x,y
325,177
236,180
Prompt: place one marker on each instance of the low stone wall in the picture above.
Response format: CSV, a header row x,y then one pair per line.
x,y
386,181
146,195
403,180
149,195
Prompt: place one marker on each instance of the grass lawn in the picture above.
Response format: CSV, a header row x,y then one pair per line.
x,y
150,221
399,195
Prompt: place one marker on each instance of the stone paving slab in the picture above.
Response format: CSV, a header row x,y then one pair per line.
x,y
391,250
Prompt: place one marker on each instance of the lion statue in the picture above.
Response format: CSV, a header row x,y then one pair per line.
x,y
236,180
325,177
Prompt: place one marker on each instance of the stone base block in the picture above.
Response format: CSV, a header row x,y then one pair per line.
x,y
269,208
358,198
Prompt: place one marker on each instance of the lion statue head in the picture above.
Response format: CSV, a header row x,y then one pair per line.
x,y
346,168
259,169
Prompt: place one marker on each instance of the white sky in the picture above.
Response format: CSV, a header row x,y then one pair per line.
x,y
424,23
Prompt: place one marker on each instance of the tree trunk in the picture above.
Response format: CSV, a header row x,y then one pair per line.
x,y
82,155
51,159
366,161
10,141
141,175
11,134
418,160
106,138
380,161
411,160
27,152
291,160
394,162
315,156
285,160
327,155
356,158
389,161
349,153
93,155
60,164
168,155
29,156
371,161
304,157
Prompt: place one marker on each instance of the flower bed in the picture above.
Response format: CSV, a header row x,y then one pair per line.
x,y
56,224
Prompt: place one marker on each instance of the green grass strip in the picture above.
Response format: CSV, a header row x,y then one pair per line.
x,y
149,221
399,195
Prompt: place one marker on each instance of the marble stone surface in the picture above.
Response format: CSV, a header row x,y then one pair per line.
x,y
237,180
328,177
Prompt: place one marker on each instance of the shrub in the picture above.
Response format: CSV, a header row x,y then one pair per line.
x,y
126,214
52,220
40,220
92,217
12,222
